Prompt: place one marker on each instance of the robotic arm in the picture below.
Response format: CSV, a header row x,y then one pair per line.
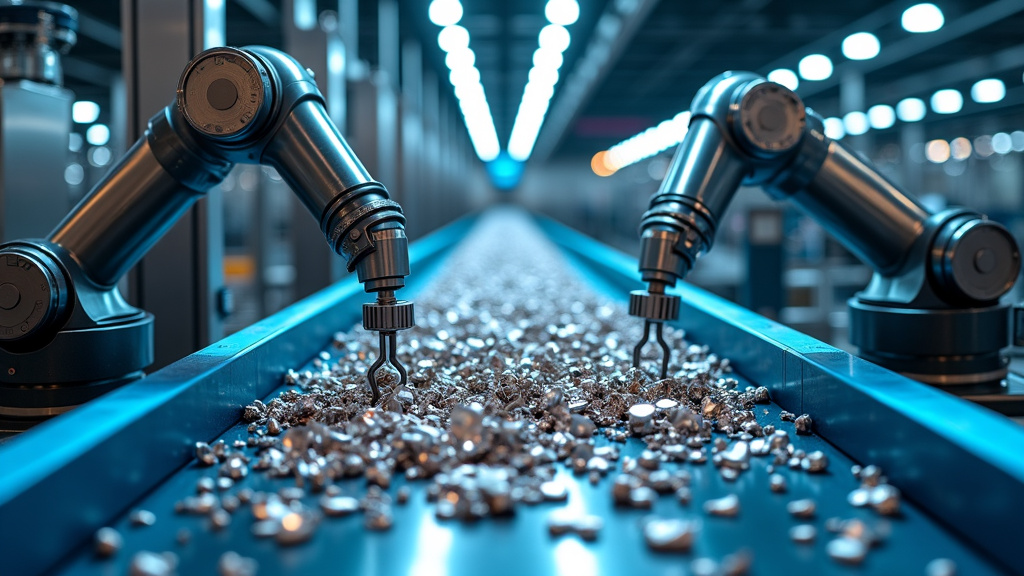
x,y
67,335
932,309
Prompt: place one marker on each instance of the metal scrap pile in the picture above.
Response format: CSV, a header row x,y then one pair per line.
x,y
516,368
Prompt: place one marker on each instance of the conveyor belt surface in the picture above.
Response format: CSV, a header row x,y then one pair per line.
x,y
421,543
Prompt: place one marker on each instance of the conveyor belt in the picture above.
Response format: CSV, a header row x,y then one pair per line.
x,y
420,543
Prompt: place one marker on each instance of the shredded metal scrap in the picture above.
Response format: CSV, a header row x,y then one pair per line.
x,y
512,375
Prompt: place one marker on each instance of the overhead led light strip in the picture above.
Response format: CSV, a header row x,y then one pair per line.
x,y
642,146
465,78
553,41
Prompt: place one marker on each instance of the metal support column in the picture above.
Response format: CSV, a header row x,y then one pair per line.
x,y
410,185
320,49
432,154
181,280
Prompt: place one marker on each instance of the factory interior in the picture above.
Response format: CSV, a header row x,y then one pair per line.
x,y
590,287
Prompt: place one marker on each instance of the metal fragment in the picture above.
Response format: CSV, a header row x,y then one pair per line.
x,y
777,483
588,527
803,533
815,462
142,518
147,563
107,542
670,535
234,564
803,508
728,506
940,567
885,499
803,424
847,550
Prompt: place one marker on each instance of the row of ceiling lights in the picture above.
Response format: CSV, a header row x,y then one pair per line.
x,y
939,151
87,112
465,77
552,41
920,18
883,116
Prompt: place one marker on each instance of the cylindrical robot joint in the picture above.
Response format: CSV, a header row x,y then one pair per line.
x,y
388,317
653,306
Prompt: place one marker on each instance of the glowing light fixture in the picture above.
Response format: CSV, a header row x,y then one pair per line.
x,y
937,151
861,46
988,90
465,78
910,110
97,134
1002,143
960,148
643,145
881,116
562,12
922,18
983,146
1017,138
554,37
785,77
855,123
85,112
834,128
552,40
947,101
445,12
453,37
815,67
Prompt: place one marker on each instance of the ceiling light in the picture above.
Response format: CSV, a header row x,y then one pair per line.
x,y
600,165
445,12
554,37
543,75
465,78
881,116
552,41
988,90
922,18
562,12
947,101
855,123
785,77
97,134
453,37
834,128
983,146
960,148
1002,143
460,76
1017,137
910,110
85,112
547,58
462,58
861,46
815,67
648,143
937,151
